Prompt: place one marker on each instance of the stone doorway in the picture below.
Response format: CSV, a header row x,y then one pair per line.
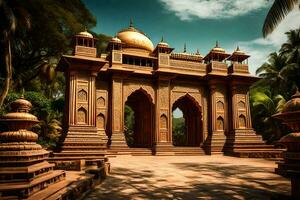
x,y
138,120
188,132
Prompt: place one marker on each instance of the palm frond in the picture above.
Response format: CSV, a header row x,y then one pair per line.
x,y
277,12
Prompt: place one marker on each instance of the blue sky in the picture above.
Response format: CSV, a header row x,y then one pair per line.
x,y
198,23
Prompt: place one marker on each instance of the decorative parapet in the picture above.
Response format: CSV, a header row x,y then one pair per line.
x,y
238,68
216,67
85,51
187,57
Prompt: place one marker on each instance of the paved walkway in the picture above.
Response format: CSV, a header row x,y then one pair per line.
x,y
190,177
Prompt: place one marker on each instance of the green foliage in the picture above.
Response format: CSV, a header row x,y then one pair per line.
x,y
280,78
40,32
129,125
179,132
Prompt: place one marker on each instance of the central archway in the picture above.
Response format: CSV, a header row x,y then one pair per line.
x,y
190,124
138,117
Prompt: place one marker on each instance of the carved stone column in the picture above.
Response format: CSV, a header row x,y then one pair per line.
x,y
117,113
163,110
218,119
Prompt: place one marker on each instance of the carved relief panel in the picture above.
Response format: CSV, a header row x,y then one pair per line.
x,y
218,108
82,99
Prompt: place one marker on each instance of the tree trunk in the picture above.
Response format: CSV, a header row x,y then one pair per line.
x,y
8,69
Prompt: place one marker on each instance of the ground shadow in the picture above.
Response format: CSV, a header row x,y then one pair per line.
x,y
142,184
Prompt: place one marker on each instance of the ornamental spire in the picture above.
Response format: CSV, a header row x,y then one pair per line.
x,y
217,44
131,22
184,48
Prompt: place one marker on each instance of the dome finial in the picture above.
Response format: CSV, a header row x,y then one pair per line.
x,y
184,48
131,22
217,44
197,52
237,48
23,92
162,39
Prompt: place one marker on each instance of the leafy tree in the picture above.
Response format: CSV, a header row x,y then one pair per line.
x,y
179,132
263,106
14,20
276,14
280,77
129,125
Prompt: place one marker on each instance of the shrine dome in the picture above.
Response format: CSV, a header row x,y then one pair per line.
x,y
133,38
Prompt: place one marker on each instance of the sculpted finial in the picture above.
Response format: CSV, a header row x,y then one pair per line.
x,y
131,22
184,48
217,44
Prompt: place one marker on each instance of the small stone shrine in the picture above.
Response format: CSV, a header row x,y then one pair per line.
x,y
24,170
290,166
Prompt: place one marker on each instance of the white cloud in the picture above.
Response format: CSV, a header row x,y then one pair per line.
x,y
260,48
217,9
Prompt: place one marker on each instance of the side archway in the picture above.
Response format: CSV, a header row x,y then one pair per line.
x,y
192,118
139,119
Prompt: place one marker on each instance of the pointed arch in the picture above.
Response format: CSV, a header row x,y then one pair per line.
x,y
193,124
141,89
191,98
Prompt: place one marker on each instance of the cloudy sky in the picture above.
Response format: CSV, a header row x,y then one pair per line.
x,y
198,23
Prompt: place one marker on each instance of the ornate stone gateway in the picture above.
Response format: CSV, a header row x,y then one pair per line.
x,y
211,90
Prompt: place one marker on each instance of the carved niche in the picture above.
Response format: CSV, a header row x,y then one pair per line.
x,y
100,102
100,121
220,105
163,122
220,123
81,116
241,105
82,95
242,121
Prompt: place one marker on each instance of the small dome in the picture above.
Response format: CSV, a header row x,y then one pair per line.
x,y
85,34
238,51
292,105
217,48
134,38
21,105
162,43
115,40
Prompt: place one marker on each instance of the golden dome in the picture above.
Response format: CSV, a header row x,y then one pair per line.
x,y
134,38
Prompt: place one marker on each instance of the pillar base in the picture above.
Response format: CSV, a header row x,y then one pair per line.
x,y
246,143
214,143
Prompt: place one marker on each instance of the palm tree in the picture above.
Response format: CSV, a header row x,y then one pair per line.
x,y
276,14
271,73
263,106
12,18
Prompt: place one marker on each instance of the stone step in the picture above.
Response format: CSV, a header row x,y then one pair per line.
x,y
47,179
76,153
